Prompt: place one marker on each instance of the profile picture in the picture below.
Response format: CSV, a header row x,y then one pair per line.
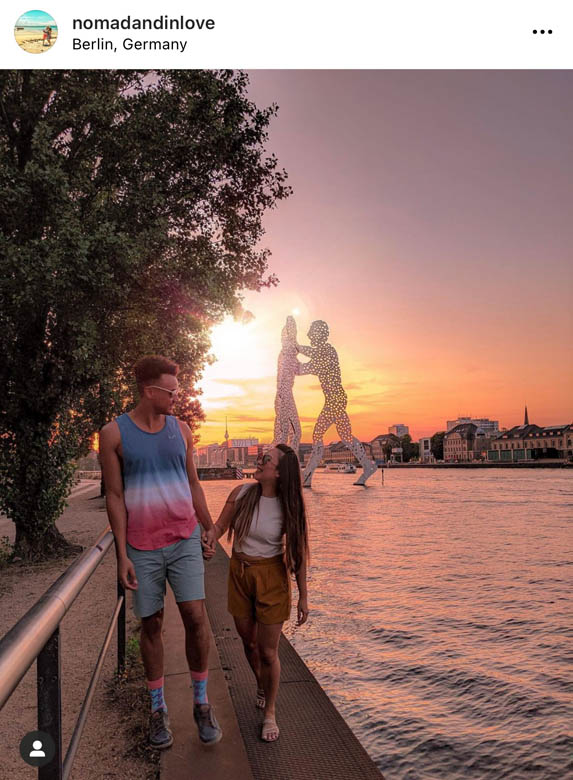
x,y
36,32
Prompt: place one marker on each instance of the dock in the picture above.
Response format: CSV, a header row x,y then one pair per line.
x,y
315,741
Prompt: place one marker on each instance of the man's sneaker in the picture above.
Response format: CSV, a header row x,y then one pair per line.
x,y
160,736
209,730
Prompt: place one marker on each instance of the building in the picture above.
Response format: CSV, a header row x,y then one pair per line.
x,y
399,430
243,442
465,442
304,453
490,427
338,452
212,455
425,445
531,442
378,445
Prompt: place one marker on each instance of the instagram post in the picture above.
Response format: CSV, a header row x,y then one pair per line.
x,y
287,427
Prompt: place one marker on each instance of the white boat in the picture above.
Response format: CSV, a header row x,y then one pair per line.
x,y
341,468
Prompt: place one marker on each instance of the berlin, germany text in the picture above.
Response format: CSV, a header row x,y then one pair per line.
x,y
101,44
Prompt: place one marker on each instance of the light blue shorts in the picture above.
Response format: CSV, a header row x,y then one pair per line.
x,y
181,564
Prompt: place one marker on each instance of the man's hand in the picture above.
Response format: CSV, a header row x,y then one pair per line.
x,y
209,539
126,574
302,610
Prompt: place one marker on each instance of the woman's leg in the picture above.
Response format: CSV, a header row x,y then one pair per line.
x,y
247,630
268,641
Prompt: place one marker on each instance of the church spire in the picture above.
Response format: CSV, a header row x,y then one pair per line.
x,y
226,433
526,418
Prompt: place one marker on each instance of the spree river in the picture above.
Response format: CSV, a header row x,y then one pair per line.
x,y
440,621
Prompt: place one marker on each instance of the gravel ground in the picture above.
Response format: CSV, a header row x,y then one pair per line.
x,y
113,741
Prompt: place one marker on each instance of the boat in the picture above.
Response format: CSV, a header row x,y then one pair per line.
x,y
341,468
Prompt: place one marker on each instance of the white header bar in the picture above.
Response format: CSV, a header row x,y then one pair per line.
x,y
414,34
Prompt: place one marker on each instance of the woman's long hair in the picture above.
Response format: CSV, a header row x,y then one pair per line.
x,y
289,492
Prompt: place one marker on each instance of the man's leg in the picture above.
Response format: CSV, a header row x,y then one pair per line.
x,y
185,572
197,649
148,605
152,645
196,645
160,735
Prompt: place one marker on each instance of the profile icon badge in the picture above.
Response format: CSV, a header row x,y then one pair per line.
x,y
36,32
37,748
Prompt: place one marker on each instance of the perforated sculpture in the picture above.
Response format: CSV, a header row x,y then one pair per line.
x,y
287,424
325,365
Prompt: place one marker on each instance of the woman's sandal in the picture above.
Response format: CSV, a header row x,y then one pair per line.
x,y
269,727
261,701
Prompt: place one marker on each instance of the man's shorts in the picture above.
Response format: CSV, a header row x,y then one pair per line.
x,y
259,588
180,563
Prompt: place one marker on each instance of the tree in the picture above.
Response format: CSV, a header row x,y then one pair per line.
x,y
409,449
387,450
130,220
437,445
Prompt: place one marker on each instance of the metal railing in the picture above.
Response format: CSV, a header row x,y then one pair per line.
x,y
37,635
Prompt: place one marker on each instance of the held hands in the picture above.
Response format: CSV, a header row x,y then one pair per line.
x,y
302,611
126,574
209,543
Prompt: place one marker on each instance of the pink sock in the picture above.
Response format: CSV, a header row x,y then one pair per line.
x,y
199,682
155,688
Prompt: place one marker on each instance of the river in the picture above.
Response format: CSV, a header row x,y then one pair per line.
x,y
440,621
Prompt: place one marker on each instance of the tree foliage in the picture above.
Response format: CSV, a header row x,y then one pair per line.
x,y
130,220
437,445
409,448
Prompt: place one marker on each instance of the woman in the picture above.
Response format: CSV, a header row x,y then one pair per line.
x,y
267,522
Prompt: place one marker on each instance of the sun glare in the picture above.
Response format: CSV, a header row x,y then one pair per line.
x,y
242,352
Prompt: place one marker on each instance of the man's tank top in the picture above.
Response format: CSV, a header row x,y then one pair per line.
x,y
265,537
156,486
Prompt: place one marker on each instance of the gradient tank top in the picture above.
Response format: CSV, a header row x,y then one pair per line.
x,y
155,484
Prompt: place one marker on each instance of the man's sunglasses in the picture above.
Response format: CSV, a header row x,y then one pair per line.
x,y
172,393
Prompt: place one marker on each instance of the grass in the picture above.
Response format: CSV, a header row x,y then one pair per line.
x,y
128,694
6,551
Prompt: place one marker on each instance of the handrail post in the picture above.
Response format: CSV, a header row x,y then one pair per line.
x,y
121,631
50,703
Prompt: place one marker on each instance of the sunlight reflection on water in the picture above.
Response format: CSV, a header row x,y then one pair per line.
x,y
440,617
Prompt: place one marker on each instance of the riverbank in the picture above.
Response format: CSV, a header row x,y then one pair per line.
x,y
538,464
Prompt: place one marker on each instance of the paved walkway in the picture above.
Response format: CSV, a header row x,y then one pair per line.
x,y
188,757
315,742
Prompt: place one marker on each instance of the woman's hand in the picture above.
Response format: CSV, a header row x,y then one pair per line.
x,y
302,610
208,551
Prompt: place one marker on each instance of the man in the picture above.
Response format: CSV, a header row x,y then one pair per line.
x,y
325,365
154,499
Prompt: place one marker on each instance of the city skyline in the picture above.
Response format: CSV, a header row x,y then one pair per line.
x,y
429,227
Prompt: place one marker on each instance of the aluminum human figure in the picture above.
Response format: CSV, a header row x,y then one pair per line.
x,y
325,365
287,423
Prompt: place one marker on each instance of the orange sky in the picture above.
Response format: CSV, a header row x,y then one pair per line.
x,y
430,226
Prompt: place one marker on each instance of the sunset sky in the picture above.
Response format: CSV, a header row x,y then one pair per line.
x,y
431,226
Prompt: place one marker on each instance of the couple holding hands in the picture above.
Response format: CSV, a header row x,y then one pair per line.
x,y
155,504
